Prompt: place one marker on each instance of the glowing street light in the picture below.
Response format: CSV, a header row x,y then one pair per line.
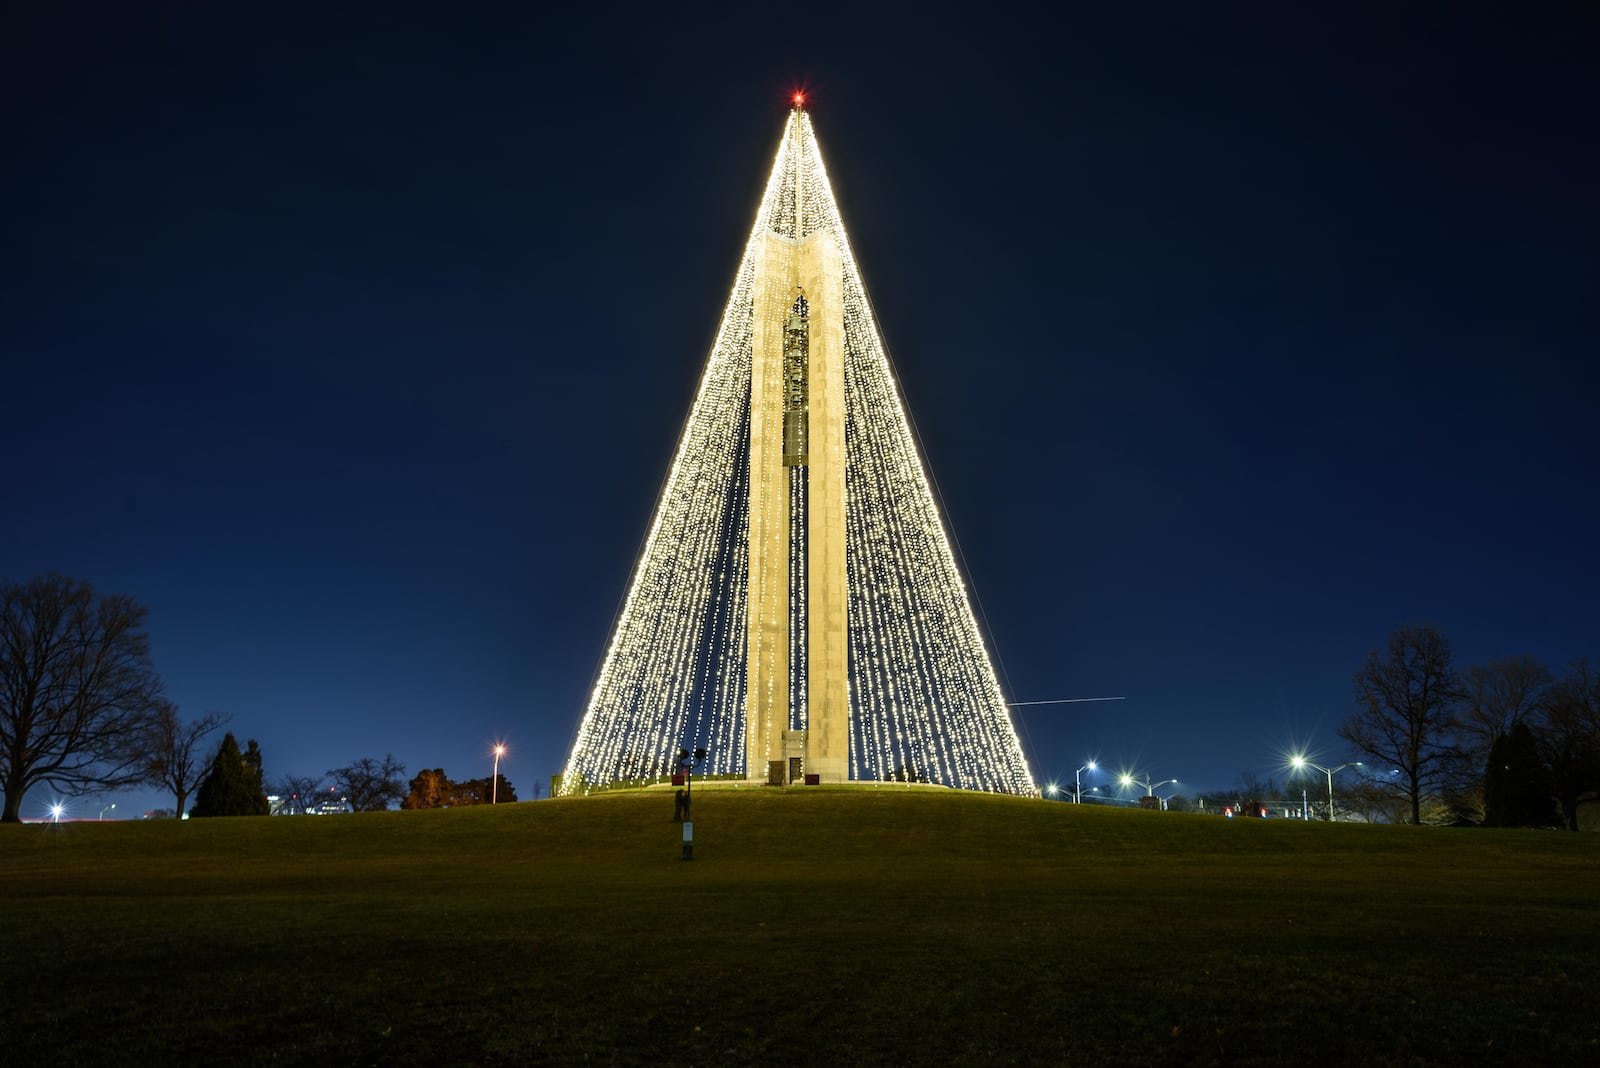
x,y
1052,789
494,783
1149,787
108,808
1077,796
1302,763
56,810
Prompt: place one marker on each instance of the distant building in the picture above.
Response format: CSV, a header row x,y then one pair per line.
x,y
320,804
329,804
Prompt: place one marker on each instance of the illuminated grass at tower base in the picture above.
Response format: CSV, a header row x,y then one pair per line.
x,y
797,610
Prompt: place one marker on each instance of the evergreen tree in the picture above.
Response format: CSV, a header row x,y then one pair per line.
x,y
1516,784
257,774
234,787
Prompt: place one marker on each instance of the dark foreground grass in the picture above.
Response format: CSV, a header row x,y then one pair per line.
x,y
857,926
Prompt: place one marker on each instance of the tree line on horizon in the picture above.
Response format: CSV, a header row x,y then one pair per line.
x,y
1506,743
432,788
82,710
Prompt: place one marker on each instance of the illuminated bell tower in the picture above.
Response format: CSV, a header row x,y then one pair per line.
x,y
797,644
796,608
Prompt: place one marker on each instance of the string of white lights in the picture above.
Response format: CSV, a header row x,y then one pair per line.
x,y
925,702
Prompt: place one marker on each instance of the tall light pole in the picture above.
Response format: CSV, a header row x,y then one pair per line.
x,y
1149,787
494,783
1077,795
1302,762
108,808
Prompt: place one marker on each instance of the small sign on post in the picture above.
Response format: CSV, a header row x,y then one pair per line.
x,y
688,840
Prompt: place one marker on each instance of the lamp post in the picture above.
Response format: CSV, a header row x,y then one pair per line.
x,y
494,783
108,808
1077,794
1149,787
1302,762
686,767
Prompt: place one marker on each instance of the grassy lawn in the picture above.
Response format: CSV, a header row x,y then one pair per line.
x,y
887,925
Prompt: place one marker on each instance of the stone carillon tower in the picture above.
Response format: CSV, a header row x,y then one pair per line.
x,y
797,646
796,610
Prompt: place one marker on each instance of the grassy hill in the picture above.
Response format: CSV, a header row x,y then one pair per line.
x,y
886,925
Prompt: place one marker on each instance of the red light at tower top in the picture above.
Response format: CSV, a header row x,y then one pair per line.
x,y
799,100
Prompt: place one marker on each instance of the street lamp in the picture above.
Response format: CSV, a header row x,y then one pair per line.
x,y
1149,787
108,808
1077,795
494,784
686,769
1052,789
1302,763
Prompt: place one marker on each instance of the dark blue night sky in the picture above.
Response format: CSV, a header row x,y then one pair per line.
x,y
356,344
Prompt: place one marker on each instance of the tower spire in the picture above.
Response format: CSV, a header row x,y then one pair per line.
x,y
799,170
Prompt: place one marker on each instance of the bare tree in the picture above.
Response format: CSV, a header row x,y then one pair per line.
x,y
1499,695
370,785
77,689
1250,785
1568,737
174,757
1407,698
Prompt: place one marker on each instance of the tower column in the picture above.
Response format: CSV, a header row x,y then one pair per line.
x,y
827,596
767,624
